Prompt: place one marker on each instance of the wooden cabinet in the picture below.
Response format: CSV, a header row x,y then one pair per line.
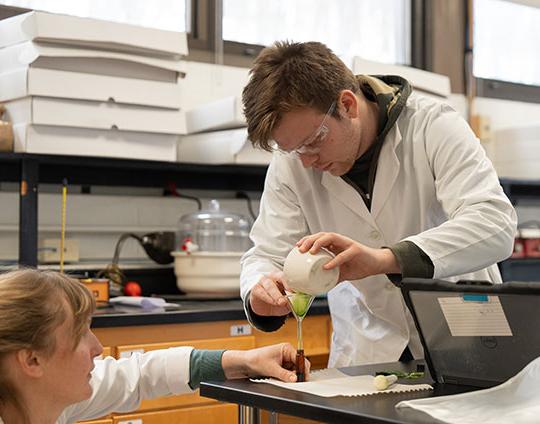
x,y
192,408
243,342
213,414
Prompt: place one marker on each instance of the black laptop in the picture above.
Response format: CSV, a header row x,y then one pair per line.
x,y
475,333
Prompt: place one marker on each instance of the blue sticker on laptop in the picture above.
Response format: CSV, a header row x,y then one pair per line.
x,y
475,297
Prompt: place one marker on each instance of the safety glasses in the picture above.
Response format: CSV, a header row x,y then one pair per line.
x,y
313,143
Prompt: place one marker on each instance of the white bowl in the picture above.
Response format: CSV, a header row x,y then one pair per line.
x,y
305,273
208,272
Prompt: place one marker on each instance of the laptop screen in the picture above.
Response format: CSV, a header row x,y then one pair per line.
x,y
476,335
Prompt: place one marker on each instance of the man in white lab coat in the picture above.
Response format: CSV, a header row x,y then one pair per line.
x,y
396,181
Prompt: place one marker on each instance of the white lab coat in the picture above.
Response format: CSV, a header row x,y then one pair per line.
x,y
434,186
120,385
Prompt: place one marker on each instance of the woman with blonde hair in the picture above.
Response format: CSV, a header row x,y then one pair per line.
x,y
48,372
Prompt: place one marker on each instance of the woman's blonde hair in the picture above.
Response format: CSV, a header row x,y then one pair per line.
x,y
32,306
288,76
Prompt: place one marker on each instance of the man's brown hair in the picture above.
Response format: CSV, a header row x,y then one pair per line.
x,y
288,76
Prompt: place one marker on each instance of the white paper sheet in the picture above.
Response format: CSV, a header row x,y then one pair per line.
x,y
470,318
332,382
516,401
142,301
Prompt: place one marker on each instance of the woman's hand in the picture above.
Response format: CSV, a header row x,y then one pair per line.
x,y
267,297
354,259
276,361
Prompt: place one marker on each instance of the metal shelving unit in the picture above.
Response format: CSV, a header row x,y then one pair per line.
x,y
29,170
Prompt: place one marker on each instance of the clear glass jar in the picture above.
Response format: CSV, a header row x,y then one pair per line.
x,y
213,230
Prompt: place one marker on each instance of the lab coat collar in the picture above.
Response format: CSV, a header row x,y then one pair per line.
x,y
387,172
346,194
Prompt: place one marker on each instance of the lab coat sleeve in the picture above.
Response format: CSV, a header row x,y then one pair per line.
x,y
121,385
481,220
278,227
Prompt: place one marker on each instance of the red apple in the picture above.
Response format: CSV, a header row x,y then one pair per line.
x,y
132,288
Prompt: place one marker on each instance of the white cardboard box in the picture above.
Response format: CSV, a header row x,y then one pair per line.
x,y
87,32
208,82
90,61
221,114
221,147
51,140
427,82
30,81
249,155
98,115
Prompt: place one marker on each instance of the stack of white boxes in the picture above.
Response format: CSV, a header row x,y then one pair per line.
x,y
216,127
215,120
85,87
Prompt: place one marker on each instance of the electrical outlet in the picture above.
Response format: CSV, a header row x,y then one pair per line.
x,y
49,251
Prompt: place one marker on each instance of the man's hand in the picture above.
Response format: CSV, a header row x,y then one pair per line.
x,y
267,297
276,361
355,260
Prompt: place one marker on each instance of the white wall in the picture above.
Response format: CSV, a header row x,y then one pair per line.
x,y
97,221
503,114
507,113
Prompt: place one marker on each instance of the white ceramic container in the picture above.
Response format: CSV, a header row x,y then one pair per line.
x,y
208,272
305,273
